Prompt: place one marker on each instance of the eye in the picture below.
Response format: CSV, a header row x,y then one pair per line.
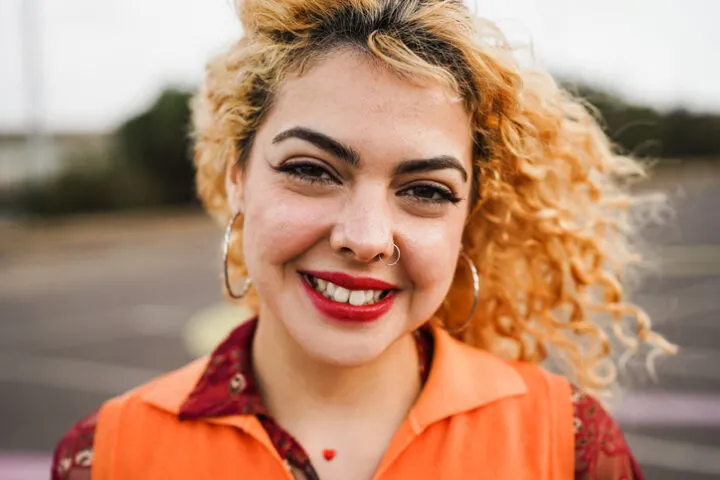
x,y
307,172
430,193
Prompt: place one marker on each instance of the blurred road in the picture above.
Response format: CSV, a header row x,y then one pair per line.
x,y
91,308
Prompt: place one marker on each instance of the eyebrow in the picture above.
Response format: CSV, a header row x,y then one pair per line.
x,y
428,164
323,142
348,155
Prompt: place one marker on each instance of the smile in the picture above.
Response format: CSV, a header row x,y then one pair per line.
x,y
347,298
340,294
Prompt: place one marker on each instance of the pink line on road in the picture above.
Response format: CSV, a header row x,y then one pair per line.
x,y
669,409
24,466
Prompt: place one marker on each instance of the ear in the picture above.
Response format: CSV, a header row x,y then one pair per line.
x,y
235,186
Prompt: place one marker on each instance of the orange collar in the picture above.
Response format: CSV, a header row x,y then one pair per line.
x,y
461,378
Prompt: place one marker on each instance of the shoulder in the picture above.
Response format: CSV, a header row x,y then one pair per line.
x,y
72,458
600,447
73,455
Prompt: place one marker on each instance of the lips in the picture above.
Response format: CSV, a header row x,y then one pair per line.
x,y
351,282
346,312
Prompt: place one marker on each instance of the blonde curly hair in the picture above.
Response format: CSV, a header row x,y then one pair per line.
x,y
551,226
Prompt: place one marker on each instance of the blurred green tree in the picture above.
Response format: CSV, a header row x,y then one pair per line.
x,y
147,163
646,132
156,142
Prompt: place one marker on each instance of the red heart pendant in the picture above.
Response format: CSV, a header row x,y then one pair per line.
x,y
329,454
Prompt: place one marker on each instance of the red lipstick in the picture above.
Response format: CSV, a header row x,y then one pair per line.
x,y
345,312
351,282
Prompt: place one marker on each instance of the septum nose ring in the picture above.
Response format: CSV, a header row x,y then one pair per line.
x,y
397,259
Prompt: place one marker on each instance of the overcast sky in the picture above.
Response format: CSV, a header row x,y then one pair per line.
x,y
103,60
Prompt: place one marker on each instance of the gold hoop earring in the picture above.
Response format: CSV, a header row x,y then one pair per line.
x,y
226,274
476,297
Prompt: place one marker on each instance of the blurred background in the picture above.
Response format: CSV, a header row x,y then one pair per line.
x,y
109,271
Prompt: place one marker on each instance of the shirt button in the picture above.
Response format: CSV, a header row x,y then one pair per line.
x,y
237,383
64,465
84,457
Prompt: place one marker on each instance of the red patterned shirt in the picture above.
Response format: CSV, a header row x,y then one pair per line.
x,y
228,387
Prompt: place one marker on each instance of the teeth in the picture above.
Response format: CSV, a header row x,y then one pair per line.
x,y
343,295
357,297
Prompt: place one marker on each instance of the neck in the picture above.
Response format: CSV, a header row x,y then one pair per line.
x,y
295,385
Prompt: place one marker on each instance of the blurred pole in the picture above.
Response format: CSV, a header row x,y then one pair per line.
x,y
32,61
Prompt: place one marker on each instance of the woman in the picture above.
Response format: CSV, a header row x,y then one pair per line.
x,y
419,223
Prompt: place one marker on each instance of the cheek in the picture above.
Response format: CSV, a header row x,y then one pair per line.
x,y
279,227
432,255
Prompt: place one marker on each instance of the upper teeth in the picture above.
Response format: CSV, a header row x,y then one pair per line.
x,y
343,295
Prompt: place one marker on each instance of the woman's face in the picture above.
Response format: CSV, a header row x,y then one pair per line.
x,y
351,160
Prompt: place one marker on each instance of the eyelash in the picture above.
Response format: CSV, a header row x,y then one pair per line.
x,y
446,195
295,170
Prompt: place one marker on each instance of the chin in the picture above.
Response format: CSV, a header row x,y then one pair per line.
x,y
341,343
343,347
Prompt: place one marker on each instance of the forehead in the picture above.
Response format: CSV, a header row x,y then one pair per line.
x,y
359,101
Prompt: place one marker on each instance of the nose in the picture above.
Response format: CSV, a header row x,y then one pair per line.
x,y
363,230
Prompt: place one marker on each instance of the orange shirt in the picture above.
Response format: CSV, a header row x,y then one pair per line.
x,y
477,417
